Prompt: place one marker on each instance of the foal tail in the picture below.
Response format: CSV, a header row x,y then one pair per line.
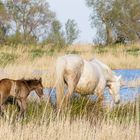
x,y
60,65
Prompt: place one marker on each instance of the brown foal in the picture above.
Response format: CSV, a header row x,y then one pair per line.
x,y
18,90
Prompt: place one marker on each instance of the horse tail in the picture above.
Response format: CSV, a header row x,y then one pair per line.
x,y
60,65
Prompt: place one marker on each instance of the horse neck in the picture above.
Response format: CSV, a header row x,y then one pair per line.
x,y
108,73
110,76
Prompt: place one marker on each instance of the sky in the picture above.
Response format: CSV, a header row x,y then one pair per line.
x,y
77,10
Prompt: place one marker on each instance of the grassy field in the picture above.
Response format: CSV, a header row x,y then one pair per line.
x,y
35,61
85,120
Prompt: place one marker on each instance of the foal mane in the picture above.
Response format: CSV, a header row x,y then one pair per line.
x,y
31,81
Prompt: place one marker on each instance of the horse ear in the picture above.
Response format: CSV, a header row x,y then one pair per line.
x,y
119,77
40,79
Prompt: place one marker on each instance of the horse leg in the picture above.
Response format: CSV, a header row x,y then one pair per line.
x,y
60,99
70,89
100,98
72,83
22,107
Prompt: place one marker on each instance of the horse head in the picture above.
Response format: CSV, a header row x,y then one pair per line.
x,y
114,88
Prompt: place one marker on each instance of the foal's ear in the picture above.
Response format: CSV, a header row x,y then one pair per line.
x,y
40,79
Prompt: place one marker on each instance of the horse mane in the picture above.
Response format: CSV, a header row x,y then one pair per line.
x,y
105,68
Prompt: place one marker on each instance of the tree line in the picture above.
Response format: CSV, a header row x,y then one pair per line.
x,y
117,21
32,22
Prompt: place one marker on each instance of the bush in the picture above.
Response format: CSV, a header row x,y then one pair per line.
x,y
83,106
7,58
133,51
37,53
72,52
18,38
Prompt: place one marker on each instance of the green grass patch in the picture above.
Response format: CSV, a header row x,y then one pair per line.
x,y
7,58
79,107
123,113
37,53
101,50
72,52
83,106
133,51
50,52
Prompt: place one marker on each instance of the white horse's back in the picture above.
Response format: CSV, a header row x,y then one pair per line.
x,y
72,61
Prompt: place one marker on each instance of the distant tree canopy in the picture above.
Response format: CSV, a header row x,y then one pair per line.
x,y
3,22
115,20
30,22
56,35
30,19
59,37
71,31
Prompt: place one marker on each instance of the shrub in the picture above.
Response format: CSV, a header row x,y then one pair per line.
x,y
37,53
7,58
133,51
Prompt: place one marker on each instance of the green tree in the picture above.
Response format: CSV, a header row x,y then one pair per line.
x,y
30,18
125,17
101,20
115,20
3,22
56,35
71,31
17,38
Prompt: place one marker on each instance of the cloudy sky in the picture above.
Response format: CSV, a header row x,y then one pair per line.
x,y
77,10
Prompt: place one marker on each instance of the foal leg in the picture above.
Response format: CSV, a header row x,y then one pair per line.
x,y
22,107
2,105
2,110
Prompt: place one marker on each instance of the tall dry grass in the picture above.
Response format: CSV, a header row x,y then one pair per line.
x,y
42,123
34,61
64,129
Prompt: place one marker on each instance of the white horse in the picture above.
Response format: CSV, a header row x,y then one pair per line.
x,y
84,77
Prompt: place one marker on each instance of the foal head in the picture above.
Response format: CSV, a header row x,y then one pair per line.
x,y
114,88
36,84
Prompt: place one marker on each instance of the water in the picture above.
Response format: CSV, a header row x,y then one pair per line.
x,y
129,74
127,94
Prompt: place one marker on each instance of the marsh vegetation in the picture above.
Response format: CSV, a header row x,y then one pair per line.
x,y
85,119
